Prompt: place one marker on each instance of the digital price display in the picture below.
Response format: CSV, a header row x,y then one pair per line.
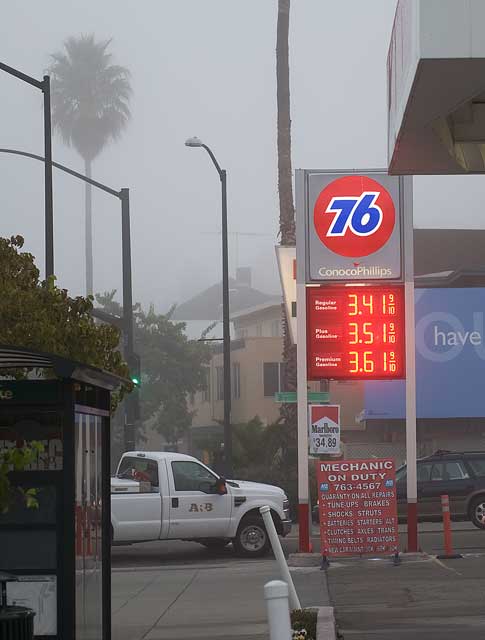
x,y
355,333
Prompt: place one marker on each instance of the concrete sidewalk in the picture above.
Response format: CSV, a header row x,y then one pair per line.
x,y
421,598
203,602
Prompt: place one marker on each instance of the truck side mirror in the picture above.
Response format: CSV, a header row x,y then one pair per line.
x,y
221,488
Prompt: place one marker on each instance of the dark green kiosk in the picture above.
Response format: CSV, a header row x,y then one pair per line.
x,y
58,556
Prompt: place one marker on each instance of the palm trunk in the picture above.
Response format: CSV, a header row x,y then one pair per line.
x,y
285,189
88,219
285,185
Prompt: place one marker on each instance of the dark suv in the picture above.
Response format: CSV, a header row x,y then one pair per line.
x,y
461,476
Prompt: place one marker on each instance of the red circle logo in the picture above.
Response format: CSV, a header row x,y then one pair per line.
x,y
354,216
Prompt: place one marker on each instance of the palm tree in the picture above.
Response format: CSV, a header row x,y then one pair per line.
x,y
90,108
285,189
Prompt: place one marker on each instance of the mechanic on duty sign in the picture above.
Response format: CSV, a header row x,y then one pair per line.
x,y
324,428
357,507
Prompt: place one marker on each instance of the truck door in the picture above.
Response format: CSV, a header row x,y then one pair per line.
x,y
138,515
195,512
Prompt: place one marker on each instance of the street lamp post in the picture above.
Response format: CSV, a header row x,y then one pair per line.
x,y
132,401
45,86
226,332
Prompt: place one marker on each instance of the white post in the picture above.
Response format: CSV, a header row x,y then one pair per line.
x,y
410,329
301,367
302,400
280,556
276,596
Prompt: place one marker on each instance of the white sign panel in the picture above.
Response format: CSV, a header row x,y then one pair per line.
x,y
324,428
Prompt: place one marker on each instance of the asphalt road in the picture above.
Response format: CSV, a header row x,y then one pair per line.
x,y
466,539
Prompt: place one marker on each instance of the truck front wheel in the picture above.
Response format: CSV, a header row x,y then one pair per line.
x,y
251,539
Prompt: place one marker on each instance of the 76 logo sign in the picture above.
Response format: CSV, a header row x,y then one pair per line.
x,y
361,215
354,216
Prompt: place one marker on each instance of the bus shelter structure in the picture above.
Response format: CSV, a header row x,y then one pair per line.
x,y
59,553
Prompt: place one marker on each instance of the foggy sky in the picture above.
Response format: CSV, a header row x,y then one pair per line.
x,y
205,68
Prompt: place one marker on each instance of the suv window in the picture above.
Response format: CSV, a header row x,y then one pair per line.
x,y
188,476
145,471
478,466
451,470
424,471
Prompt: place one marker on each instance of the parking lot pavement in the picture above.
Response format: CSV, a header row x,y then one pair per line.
x,y
202,601
422,598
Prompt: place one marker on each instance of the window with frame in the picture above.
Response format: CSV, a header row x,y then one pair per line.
x,y
276,328
478,466
424,472
141,470
220,383
188,476
273,378
236,380
448,470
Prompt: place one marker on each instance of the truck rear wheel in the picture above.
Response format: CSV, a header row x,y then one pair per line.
x,y
251,539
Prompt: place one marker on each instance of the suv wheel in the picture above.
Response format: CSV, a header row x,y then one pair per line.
x,y
477,512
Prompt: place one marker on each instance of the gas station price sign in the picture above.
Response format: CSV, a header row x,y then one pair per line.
x,y
356,332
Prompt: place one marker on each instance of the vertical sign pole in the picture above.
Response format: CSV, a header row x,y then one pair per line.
x,y
302,399
412,492
301,365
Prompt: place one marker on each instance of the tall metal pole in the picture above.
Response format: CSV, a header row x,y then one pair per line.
x,y
45,86
88,225
226,332
48,194
131,415
410,324
301,371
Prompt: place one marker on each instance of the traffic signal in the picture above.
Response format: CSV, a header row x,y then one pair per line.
x,y
134,365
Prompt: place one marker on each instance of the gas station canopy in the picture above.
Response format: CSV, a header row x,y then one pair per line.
x,y
436,88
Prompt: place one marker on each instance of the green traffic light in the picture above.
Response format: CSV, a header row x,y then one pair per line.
x,y
136,381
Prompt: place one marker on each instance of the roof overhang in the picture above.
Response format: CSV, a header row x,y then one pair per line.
x,y
21,358
436,88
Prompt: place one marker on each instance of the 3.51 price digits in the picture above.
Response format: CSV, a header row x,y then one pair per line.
x,y
368,332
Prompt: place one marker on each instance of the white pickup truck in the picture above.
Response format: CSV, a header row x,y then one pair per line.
x,y
172,496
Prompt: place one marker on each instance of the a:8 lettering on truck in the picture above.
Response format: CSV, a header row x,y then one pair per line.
x,y
172,496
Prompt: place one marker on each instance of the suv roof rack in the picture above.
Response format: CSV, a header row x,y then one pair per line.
x,y
445,452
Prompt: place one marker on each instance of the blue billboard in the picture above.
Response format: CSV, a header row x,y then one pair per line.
x,y
450,360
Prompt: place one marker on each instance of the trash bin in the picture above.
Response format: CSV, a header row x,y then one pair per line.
x,y
16,623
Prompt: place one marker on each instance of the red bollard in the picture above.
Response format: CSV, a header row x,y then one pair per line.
x,y
448,554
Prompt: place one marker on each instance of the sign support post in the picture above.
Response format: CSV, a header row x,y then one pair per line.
x,y
301,367
411,477
302,408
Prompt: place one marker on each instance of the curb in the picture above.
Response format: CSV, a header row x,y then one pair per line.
x,y
326,624
304,560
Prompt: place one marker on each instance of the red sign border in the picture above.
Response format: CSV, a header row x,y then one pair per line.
x,y
393,507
